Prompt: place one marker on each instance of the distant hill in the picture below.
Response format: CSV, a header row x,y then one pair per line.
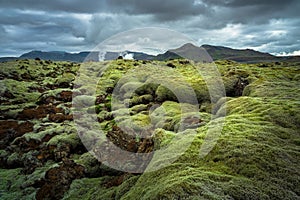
x,y
60,56
246,55
6,59
208,53
204,53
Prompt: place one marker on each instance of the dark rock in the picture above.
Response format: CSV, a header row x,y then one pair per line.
x,y
65,96
9,130
58,118
240,86
58,180
171,65
39,112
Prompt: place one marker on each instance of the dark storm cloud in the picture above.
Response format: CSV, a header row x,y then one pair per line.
x,y
72,6
169,9
161,10
28,30
76,25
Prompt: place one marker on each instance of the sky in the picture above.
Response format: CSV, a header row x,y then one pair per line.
x,y
80,25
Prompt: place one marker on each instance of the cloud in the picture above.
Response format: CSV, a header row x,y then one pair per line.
x,y
149,40
27,30
69,6
266,25
294,53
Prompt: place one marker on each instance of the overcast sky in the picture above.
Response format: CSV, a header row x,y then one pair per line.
x,y
79,25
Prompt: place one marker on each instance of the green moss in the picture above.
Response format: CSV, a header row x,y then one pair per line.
x,y
168,116
44,129
53,93
126,186
20,91
239,160
137,122
147,98
128,89
147,88
103,115
93,189
66,107
60,140
91,165
164,94
138,108
38,174
11,185
162,137
12,111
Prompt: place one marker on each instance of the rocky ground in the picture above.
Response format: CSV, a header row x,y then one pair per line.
x,y
255,156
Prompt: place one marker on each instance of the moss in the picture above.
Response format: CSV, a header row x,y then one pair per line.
x,y
138,108
66,107
104,115
168,116
20,91
63,139
239,160
126,186
137,123
128,89
12,111
84,101
93,189
147,98
164,94
162,137
183,183
53,93
38,174
91,165
121,112
147,88
14,159
50,129
12,189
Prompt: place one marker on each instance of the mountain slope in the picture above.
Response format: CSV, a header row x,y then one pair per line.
x,y
246,55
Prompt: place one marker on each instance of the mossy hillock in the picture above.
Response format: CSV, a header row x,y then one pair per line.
x,y
176,110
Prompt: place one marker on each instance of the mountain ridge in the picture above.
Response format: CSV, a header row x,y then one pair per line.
x,y
204,53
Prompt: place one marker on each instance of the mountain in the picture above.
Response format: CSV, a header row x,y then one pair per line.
x,y
246,55
209,53
77,57
7,59
204,53
61,56
188,51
